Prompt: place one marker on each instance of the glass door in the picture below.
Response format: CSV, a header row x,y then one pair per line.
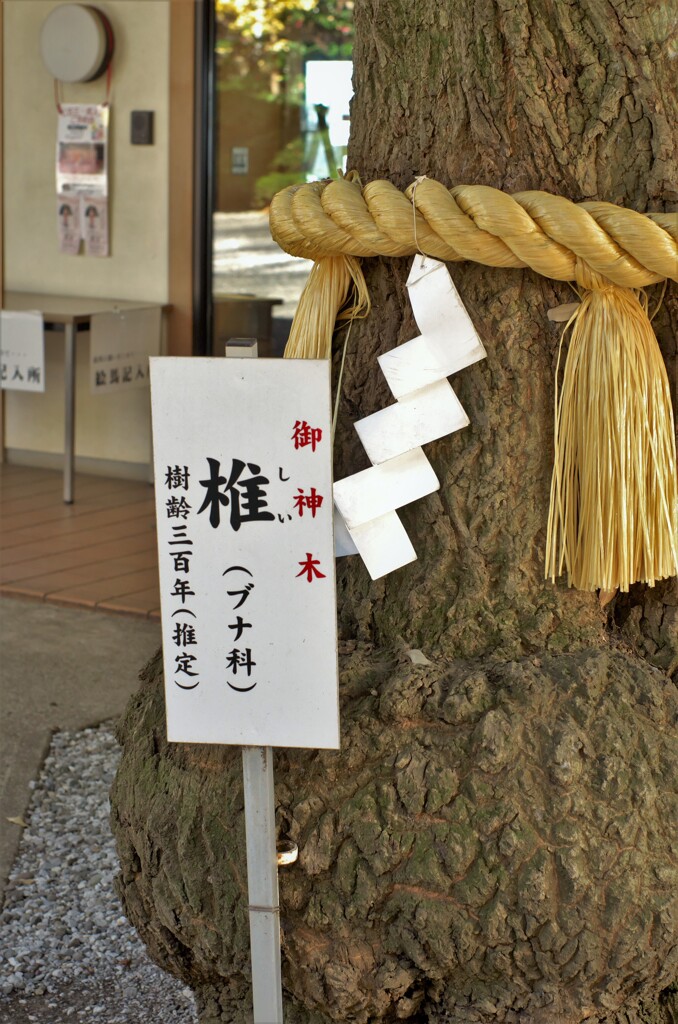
x,y
282,87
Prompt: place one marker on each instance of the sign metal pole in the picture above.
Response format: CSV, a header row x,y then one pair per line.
x,y
262,884
260,838
288,566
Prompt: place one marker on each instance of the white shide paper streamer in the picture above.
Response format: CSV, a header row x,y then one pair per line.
x,y
426,409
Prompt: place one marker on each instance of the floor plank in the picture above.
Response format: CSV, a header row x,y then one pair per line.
x,y
100,552
71,545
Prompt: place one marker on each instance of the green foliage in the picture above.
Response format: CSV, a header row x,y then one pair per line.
x,y
261,44
286,169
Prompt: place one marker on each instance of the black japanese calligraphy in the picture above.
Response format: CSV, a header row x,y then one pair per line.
x,y
180,536
245,495
177,508
184,662
239,626
180,560
177,476
184,634
182,590
240,659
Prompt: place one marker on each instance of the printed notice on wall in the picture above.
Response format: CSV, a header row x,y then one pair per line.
x,y
82,178
95,225
120,346
245,537
68,212
82,149
22,351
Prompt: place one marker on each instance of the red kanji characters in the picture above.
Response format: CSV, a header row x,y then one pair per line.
x,y
310,568
311,501
303,435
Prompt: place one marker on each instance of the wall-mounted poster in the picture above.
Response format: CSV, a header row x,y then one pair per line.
x,y
82,149
82,178
94,218
68,223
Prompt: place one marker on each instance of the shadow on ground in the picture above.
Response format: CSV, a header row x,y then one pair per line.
x,y
62,668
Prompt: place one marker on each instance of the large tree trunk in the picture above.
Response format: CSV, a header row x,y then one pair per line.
x,y
495,842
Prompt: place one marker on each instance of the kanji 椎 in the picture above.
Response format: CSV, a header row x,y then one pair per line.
x,y
245,495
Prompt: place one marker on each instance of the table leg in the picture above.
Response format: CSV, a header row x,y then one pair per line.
x,y
69,391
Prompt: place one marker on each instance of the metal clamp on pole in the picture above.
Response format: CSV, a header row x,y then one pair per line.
x,y
288,852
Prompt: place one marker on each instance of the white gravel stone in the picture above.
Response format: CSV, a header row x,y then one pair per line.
x,y
62,929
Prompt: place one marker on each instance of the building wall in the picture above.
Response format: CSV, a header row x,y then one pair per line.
x,y
108,427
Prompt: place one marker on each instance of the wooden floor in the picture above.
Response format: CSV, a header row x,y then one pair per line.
x,y
99,552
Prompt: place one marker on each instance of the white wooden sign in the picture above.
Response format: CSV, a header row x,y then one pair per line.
x,y
243,461
22,351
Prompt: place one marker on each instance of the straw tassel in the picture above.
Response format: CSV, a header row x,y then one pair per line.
x,y
612,519
613,514
332,283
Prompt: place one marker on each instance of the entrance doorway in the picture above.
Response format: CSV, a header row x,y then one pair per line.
x,y
281,98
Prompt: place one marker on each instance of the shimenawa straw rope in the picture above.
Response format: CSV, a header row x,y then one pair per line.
x,y
614,508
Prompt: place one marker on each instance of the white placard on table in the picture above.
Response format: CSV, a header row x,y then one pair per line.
x,y
120,346
243,462
22,351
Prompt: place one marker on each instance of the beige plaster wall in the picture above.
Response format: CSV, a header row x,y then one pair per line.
x,y
108,426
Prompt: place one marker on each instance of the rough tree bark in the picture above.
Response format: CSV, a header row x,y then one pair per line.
x,y
495,842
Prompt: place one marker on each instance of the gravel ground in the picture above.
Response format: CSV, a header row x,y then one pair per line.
x,y
67,953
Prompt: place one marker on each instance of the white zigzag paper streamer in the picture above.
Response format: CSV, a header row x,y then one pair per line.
x,y
426,409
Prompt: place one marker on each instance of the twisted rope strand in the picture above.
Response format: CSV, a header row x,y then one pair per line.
x,y
560,239
613,507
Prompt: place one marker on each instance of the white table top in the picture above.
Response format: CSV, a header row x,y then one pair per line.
x,y
69,309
